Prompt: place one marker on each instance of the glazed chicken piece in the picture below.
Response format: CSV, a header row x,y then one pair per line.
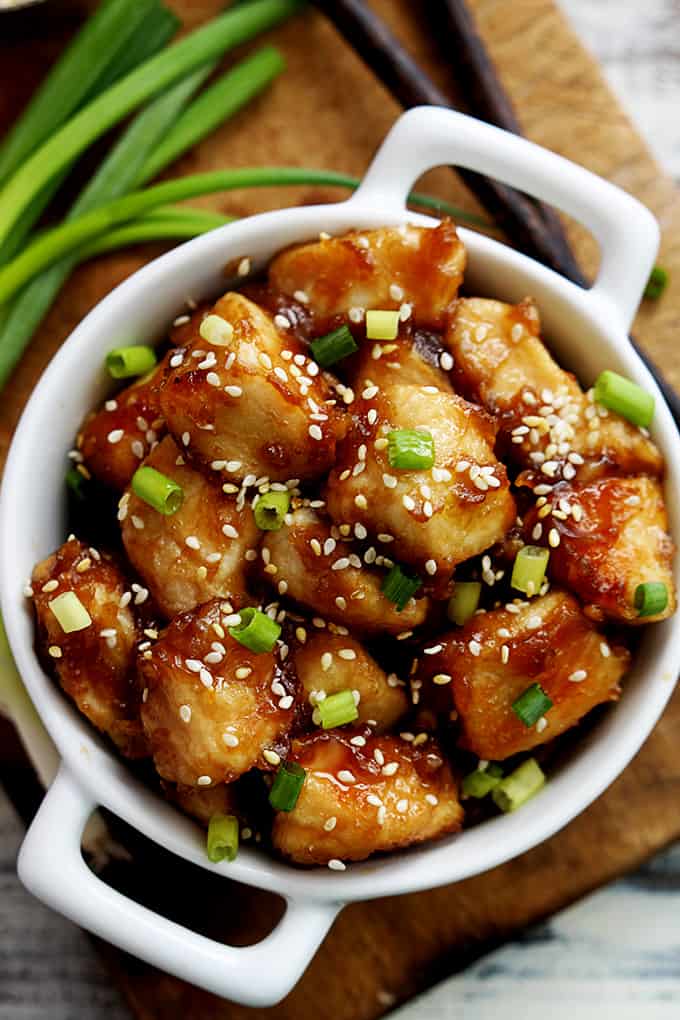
x,y
480,670
250,402
613,536
437,517
202,803
327,574
95,665
209,710
358,800
114,440
198,552
549,423
327,663
416,358
389,268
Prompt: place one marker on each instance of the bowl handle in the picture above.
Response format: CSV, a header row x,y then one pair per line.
x,y
430,136
51,866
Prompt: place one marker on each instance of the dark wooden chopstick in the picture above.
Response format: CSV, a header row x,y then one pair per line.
x,y
533,227
514,213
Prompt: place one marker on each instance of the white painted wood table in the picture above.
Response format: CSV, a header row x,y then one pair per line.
x,y
617,954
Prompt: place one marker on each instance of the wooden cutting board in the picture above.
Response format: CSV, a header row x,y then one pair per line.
x,y
328,111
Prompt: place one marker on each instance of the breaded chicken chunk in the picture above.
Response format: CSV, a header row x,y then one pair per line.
x,y
613,536
549,423
329,575
249,401
481,669
358,800
209,710
421,267
114,440
415,359
195,554
327,663
95,665
437,517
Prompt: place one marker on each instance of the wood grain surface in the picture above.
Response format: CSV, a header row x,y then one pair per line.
x,y
328,111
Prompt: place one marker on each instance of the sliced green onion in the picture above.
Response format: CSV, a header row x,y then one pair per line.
x,y
256,631
651,598
156,489
70,612
337,710
125,362
528,571
464,601
399,587
271,509
410,449
76,483
382,325
222,841
656,284
625,397
520,786
332,347
482,781
531,705
288,783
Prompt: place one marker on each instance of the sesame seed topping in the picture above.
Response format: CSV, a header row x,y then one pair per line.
x,y
50,586
230,739
347,653
115,436
204,781
336,865
474,647
553,538
402,806
577,676
233,391
301,296
541,724
54,651
345,776
390,768
440,679
330,823
271,757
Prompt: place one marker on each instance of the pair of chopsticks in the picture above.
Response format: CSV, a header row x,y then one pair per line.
x,y
532,226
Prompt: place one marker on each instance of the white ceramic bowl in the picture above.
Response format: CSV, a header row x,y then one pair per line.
x,y
587,331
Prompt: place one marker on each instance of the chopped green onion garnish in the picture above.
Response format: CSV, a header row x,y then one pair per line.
x,y
656,284
651,598
382,325
399,587
70,612
625,397
520,786
337,709
287,785
156,489
76,483
410,449
271,509
332,347
464,601
256,631
531,705
482,781
124,362
222,842
528,572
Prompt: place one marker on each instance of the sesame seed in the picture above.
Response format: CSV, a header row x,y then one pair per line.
x,y
347,653
330,823
115,436
431,799
402,806
242,673
605,650
54,651
271,757
408,502
541,724
186,438
577,676
390,768
505,654
192,542
301,296
185,713
440,679
553,538
230,739
474,647
243,267
286,702
206,678
534,622
336,865
233,391
360,501
204,780
345,776
50,586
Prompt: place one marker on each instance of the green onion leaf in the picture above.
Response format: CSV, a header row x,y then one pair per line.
x,y
625,397
256,631
287,785
125,362
520,786
410,449
332,347
382,325
76,483
222,841
531,705
271,509
482,781
651,598
528,571
337,710
70,613
156,489
656,284
399,587
464,601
